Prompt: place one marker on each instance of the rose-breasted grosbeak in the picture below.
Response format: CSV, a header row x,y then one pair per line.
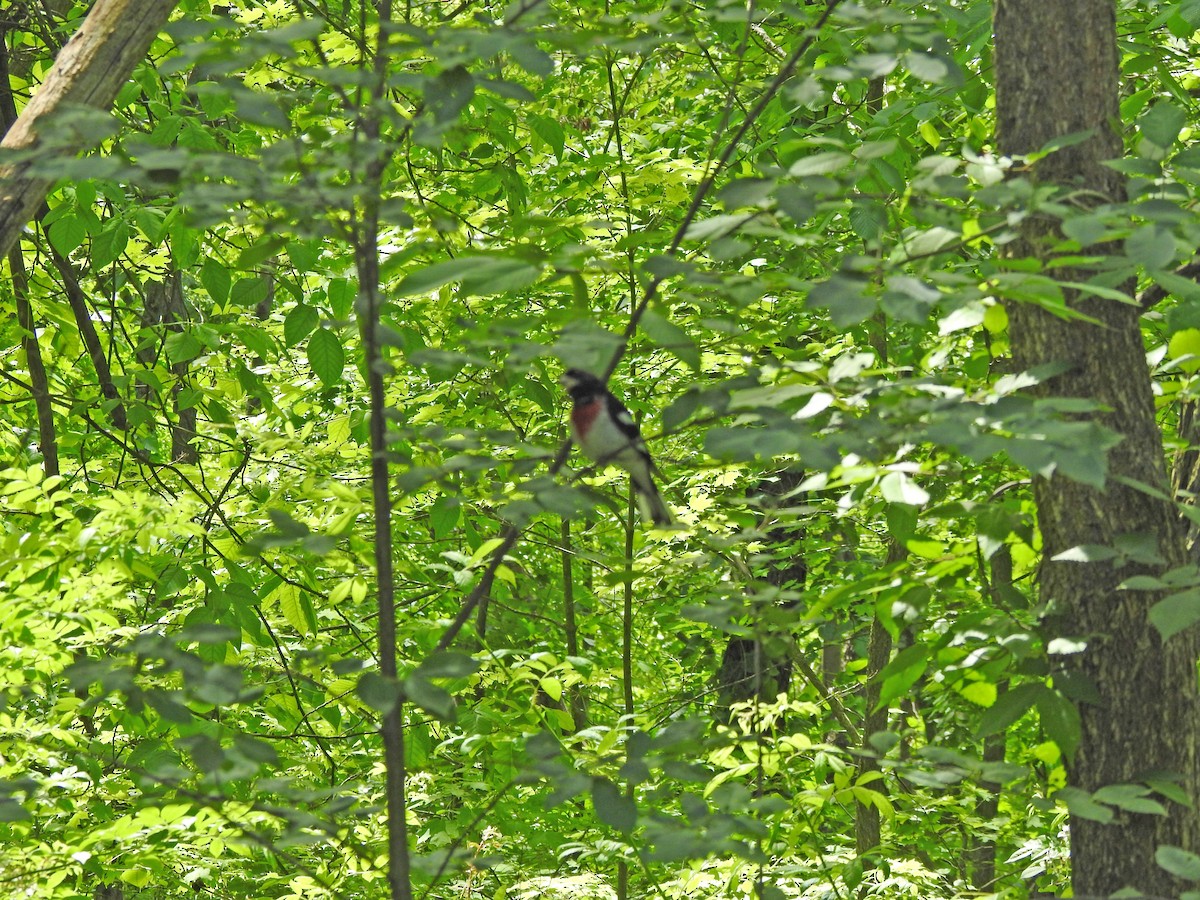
x,y
605,431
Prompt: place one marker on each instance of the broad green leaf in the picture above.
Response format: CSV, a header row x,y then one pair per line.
x,y
902,673
927,67
434,700
1060,721
613,808
183,346
110,243
847,299
549,131
1173,614
746,192
1130,797
1151,246
326,356
981,693
552,687
480,274
1177,285
1161,124
1009,707
247,293
671,337
296,607
68,233
1086,553
341,294
299,324
1179,862
868,219
1080,803
378,692
444,516
216,280
820,164
448,664
448,93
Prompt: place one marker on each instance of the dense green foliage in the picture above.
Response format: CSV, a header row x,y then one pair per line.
x,y
807,251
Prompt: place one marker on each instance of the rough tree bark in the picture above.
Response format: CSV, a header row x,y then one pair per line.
x,y
1056,68
754,668
89,71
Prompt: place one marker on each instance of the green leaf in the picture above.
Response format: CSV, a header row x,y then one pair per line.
x,y
743,192
68,234
448,94
13,811
820,164
847,300
671,337
1152,246
1161,124
299,324
216,279
981,693
613,808
1086,553
1060,721
444,515
1178,286
183,346
902,673
1179,862
326,357
927,67
479,274
297,608
1009,707
434,700
448,664
1131,798
247,293
549,131
1173,614
110,243
378,692
341,293
1080,803
869,219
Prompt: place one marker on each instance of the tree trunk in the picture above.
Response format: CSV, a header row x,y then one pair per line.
x,y
760,668
1056,70
89,71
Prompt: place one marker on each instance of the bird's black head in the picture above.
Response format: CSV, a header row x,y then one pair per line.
x,y
581,384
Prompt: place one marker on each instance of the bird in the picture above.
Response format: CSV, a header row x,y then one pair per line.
x,y
604,430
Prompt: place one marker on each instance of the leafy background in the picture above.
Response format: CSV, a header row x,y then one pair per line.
x,y
786,223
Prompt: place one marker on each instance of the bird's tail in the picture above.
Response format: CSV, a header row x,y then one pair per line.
x,y
652,505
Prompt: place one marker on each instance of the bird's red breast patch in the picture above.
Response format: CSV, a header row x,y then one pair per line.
x,y
584,414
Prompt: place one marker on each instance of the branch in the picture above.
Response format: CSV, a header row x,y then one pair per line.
x,y
90,70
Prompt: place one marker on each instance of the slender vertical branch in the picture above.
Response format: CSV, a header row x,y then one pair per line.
x,y
578,719
47,442
370,301
77,298
627,654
